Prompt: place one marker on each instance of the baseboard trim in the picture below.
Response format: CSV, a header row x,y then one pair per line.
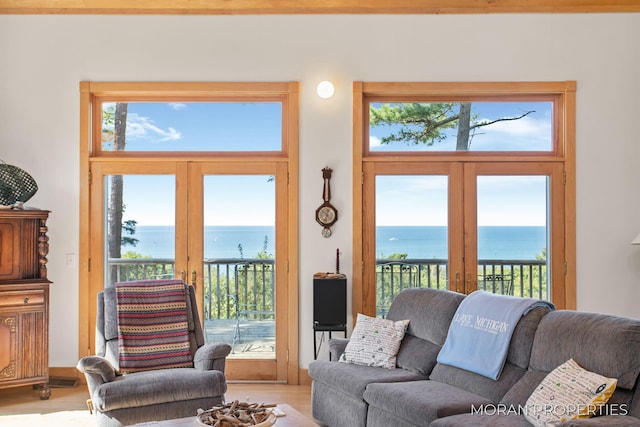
x,y
66,372
303,377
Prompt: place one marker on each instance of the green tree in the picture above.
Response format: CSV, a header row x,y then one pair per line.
x,y
426,123
114,127
263,254
129,228
397,255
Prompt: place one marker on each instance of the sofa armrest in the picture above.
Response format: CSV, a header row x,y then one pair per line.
x,y
99,366
211,357
604,421
97,370
337,346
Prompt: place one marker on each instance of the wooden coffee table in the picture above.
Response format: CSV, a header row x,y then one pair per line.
x,y
292,418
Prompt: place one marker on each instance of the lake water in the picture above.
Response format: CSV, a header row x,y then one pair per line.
x,y
522,243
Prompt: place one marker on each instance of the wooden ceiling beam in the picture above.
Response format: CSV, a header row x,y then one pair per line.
x,y
273,7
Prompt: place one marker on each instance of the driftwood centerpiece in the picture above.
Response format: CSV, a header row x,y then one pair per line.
x,y
238,414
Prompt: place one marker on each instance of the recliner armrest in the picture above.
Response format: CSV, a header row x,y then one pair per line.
x,y
337,346
97,371
211,357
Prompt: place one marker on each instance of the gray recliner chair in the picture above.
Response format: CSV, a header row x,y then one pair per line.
x,y
150,395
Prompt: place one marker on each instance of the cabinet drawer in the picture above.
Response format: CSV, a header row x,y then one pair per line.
x,y
21,298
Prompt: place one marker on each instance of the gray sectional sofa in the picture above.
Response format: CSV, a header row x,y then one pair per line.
x,y
423,392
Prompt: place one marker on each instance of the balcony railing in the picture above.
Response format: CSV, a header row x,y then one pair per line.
x,y
232,287
523,278
245,287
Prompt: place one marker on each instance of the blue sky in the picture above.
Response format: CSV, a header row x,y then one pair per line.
x,y
410,200
203,126
228,200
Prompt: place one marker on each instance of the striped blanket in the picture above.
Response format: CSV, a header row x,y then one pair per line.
x,y
153,329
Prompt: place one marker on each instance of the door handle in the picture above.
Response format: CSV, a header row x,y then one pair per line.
x,y
183,275
193,278
457,281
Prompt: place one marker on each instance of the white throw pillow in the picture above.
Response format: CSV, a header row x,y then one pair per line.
x,y
374,342
567,393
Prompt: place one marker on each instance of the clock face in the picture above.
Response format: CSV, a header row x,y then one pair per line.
x,y
326,215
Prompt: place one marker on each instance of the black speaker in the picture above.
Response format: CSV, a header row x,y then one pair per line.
x,y
330,302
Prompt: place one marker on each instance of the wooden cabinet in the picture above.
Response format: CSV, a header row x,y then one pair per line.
x,y
24,299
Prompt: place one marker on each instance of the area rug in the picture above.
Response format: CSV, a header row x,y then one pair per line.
x,y
54,419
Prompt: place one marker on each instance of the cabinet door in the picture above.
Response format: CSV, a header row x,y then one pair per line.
x,y
8,344
9,248
34,345
24,340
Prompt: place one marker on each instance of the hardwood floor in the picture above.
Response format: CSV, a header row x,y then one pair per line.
x,y
25,400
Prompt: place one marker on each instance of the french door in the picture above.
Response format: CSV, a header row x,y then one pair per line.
x,y
463,226
465,186
196,220
197,180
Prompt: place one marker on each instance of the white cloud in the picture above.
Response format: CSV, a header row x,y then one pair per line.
x,y
374,141
143,127
177,105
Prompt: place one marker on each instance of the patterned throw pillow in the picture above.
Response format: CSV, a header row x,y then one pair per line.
x,y
374,342
567,393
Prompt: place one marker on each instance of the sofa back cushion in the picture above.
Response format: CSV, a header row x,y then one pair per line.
x,y
515,366
605,344
429,312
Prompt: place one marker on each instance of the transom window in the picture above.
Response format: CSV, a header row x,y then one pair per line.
x,y
194,126
500,126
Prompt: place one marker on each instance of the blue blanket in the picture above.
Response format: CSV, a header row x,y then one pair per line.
x,y
480,332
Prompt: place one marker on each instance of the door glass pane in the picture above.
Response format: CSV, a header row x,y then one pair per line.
x,y
238,265
192,126
140,231
411,235
461,126
513,235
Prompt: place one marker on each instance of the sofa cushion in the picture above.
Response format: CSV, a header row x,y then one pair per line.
x,y
421,402
429,310
158,387
476,383
566,393
374,342
417,355
520,392
605,344
489,419
353,379
333,407
522,338
510,419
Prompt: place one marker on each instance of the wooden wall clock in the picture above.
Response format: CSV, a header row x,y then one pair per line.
x,y
326,214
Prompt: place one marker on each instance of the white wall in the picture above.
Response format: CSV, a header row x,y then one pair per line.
x,y
42,59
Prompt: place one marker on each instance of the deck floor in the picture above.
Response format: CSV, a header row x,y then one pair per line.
x,y
248,338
